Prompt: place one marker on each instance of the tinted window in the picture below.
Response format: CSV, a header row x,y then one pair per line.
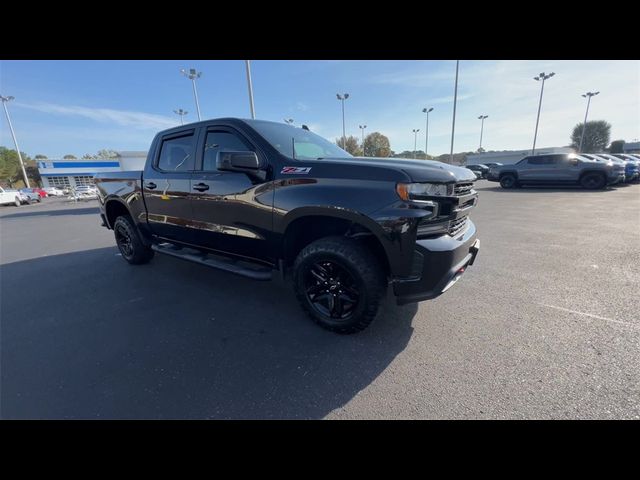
x,y
540,160
221,141
176,154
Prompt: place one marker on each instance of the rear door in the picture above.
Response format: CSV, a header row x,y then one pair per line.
x,y
167,186
232,211
534,169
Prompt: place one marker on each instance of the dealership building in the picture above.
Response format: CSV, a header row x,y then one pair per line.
x,y
513,156
70,173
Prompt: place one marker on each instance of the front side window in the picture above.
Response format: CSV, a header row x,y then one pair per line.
x,y
218,141
176,154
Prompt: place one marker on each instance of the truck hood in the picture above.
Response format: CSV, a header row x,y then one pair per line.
x,y
417,170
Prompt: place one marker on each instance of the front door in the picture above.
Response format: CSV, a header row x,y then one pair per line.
x,y
167,186
232,211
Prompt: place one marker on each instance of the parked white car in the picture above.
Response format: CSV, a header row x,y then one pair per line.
x,y
10,196
85,192
54,191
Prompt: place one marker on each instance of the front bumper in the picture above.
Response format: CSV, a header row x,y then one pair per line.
x,y
438,265
617,178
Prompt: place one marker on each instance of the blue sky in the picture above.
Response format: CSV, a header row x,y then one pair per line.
x,y
80,107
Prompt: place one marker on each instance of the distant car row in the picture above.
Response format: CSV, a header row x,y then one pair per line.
x,y
591,171
11,196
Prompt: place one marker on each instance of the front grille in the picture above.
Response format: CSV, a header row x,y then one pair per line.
x,y
460,189
457,226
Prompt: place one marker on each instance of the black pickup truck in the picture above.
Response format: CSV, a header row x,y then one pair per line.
x,y
252,197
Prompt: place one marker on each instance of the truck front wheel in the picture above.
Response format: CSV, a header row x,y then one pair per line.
x,y
129,243
339,283
508,180
593,181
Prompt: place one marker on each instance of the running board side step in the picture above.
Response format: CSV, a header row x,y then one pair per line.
x,y
228,265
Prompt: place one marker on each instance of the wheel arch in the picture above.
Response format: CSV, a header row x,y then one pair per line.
x,y
113,208
307,224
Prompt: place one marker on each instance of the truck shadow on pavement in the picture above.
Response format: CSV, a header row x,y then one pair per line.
x,y
175,340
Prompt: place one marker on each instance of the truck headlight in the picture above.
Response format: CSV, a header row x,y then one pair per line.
x,y
419,191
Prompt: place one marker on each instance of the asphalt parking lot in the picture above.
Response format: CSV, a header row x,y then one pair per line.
x,y
546,324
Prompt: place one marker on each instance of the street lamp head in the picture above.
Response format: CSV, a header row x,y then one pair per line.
x,y
191,74
346,95
7,99
551,74
430,109
339,96
596,93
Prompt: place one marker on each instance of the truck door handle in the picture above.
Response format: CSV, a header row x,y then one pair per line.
x,y
150,185
201,187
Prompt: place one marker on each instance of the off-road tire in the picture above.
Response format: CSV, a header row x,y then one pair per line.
x,y
356,261
133,250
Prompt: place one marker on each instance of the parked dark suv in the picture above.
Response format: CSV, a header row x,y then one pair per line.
x,y
557,169
480,170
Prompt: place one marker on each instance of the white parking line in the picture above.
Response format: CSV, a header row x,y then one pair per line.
x,y
632,325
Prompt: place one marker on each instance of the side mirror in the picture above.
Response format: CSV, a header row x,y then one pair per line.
x,y
238,161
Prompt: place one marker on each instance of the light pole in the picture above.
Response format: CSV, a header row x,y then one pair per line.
x,y
253,111
362,127
15,141
542,77
588,96
182,113
342,98
288,121
481,117
415,140
426,141
455,100
192,75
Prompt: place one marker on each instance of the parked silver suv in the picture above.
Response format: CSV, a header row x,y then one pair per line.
x,y
558,169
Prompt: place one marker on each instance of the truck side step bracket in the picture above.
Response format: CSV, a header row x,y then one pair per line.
x,y
228,265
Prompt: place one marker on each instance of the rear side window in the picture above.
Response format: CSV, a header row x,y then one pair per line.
x,y
537,160
221,141
176,154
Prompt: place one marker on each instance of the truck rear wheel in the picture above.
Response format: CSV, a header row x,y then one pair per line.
x,y
129,243
339,283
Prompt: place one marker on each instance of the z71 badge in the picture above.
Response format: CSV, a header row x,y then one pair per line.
x,y
296,170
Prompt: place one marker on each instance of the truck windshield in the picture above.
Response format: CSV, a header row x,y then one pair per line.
x,y
308,145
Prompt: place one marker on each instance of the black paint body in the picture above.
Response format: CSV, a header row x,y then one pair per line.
x,y
253,215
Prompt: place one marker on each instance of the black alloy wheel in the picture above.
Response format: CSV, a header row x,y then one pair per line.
x,y
124,241
331,290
